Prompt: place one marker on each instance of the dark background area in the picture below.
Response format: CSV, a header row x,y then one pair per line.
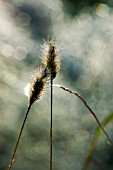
x,y
73,7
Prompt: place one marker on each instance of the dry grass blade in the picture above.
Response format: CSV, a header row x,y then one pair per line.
x,y
85,103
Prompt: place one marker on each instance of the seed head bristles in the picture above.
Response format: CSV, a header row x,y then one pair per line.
x,y
38,84
51,57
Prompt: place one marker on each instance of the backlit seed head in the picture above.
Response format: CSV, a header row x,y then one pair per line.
x,y
38,85
51,57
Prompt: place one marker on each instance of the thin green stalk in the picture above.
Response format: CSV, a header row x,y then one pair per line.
x,y
51,138
95,139
19,136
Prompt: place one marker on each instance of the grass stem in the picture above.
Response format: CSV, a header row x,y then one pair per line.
x,y
51,123
85,103
19,136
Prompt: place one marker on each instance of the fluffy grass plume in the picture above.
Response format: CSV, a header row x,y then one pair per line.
x,y
51,57
38,85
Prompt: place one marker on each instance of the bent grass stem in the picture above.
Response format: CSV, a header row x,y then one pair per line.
x,y
85,103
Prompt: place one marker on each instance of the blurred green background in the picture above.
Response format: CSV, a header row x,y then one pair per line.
x,y
84,29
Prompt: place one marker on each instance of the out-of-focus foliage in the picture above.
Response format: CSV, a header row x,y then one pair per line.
x,y
72,7
96,137
86,67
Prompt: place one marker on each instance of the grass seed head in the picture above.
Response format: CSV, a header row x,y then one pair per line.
x,y
38,85
51,57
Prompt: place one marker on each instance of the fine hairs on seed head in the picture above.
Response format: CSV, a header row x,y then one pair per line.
x,y
38,85
51,57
